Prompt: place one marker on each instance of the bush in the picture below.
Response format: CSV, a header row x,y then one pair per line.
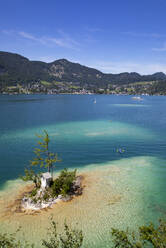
x,y
33,192
10,241
63,184
147,236
71,238
46,196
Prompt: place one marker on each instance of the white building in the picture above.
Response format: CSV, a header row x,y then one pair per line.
x,y
46,179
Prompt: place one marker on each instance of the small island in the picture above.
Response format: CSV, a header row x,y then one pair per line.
x,y
63,188
47,190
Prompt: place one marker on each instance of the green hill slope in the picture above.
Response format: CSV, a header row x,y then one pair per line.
x,y
15,69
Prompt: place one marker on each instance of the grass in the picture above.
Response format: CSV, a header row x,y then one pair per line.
x,y
58,83
12,87
74,87
45,83
142,83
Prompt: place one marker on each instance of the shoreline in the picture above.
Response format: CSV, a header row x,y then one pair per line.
x,y
115,94
28,204
111,198
15,205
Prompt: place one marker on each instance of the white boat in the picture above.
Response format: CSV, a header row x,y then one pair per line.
x,y
95,100
137,98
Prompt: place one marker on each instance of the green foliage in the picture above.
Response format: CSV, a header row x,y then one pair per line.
x,y
56,187
35,200
158,88
45,83
62,185
46,196
70,239
30,175
33,192
44,158
10,241
16,69
155,236
124,239
148,236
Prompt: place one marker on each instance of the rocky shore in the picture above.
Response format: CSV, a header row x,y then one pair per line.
x,y
28,202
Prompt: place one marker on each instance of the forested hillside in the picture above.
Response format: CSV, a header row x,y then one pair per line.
x,y
16,69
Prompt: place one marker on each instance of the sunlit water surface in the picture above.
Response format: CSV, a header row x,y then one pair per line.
x,y
120,190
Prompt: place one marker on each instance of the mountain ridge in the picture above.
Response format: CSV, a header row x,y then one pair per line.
x,y
15,68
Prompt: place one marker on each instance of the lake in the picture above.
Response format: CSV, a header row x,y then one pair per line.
x,y
128,188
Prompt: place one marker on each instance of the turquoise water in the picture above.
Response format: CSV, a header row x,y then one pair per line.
x,y
86,136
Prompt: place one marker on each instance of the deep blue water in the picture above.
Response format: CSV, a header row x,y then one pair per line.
x,y
87,135
81,132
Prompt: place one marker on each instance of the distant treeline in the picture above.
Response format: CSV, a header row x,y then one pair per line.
x,y
16,69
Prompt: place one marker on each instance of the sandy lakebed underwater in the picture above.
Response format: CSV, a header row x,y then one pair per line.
x,y
120,190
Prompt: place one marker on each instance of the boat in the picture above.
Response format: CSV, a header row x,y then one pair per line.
x,y
137,98
95,100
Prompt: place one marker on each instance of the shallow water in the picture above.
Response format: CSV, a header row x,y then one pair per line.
x,y
121,189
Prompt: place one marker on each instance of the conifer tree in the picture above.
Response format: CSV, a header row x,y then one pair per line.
x,y
44,157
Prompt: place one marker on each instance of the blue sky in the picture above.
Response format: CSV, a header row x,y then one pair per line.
x,y
110,35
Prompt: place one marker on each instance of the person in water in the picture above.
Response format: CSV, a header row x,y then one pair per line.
x,y
120,150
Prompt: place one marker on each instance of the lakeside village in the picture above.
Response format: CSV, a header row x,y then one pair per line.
x,y
43,87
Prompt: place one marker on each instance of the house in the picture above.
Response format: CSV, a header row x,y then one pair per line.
x,y
46,179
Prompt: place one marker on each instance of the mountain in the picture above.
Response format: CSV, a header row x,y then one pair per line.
x,y
15,69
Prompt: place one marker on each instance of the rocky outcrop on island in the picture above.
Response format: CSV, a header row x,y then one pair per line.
x,y
40,202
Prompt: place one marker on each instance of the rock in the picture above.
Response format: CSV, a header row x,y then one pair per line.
x,y
77,189
38,202
60,196
77,182
66,198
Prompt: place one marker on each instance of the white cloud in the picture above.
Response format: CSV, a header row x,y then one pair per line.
x,y
119,67
28,36
149,35
161,49
66,37
63,41
8,32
